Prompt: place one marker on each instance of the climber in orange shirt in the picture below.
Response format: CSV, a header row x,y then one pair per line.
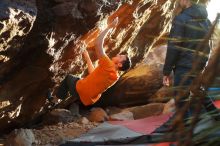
x,y
90,88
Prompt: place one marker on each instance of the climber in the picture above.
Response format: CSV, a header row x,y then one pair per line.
x,y
89,89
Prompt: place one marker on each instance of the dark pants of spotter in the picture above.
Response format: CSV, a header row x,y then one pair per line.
x,y
68,85
179,74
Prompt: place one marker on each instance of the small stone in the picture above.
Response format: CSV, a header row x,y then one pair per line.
x,y
75,125
124,115
52,128
84,120
89,126
98,115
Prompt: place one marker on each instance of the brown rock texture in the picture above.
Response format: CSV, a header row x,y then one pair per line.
x,y
148,110
40,44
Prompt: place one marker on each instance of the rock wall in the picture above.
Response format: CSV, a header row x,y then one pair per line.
x,y
40,43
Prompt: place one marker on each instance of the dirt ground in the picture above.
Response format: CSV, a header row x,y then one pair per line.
x,y
69,127
58,133
52,135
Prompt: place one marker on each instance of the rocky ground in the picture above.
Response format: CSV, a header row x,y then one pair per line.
x,y
60,124
58,133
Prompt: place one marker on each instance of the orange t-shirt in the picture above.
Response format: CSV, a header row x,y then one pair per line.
x,y
91,87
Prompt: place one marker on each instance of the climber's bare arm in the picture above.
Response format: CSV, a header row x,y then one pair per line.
x,y
88,61
99,48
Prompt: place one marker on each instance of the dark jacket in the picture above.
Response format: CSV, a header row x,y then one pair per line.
x,y
188,30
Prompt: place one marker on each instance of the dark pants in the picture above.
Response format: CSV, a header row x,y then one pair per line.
x,y
68,85
179,74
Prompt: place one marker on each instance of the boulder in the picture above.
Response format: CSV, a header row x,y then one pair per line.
x,y
140,84
20,137
84,120
148,110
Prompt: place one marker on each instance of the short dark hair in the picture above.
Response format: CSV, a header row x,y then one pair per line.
x,y
126,64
